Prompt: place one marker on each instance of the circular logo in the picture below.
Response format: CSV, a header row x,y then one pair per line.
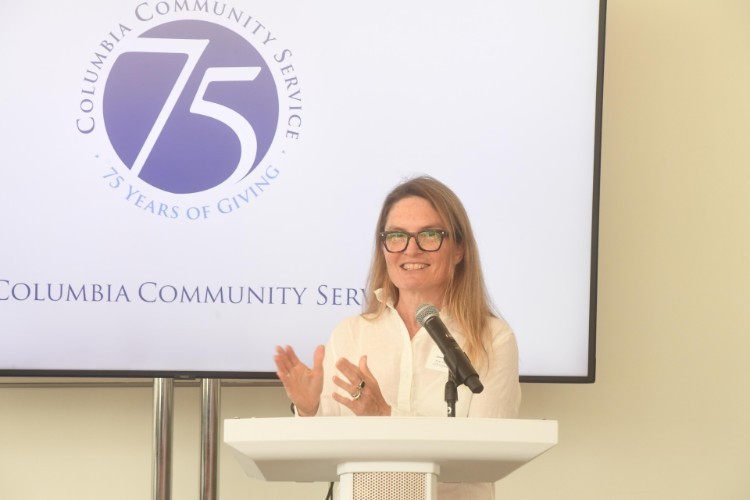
x,y
190,106
190,109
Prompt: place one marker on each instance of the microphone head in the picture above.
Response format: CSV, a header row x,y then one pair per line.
x,y
425,312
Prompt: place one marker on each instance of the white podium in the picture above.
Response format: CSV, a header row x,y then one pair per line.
x,y
415,451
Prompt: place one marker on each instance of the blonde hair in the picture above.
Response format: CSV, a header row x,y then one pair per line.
x,y
466,298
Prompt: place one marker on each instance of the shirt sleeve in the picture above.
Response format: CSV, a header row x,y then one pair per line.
x,y
328,406
501,397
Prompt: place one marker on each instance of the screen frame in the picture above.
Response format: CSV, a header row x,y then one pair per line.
x,y
590,376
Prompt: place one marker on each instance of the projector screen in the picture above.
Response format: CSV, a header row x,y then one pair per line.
x,y
187,184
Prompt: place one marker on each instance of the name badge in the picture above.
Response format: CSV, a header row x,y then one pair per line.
x,y
436,361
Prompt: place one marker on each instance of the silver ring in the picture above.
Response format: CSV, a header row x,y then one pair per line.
x,y
361,384
357,393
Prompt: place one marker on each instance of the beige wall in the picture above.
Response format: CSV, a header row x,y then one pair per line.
x,y
669,415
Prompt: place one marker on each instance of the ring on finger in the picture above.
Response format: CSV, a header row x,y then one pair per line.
x,y
361,384
357,393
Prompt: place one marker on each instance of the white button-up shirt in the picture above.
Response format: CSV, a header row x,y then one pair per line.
x,y
412,376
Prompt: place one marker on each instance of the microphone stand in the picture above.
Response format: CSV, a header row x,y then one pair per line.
x,y
451,394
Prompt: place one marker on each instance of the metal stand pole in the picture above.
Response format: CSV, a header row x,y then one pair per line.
x,y
210,410
451,395
162,446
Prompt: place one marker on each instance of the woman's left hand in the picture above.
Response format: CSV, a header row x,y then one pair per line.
x,y
362,387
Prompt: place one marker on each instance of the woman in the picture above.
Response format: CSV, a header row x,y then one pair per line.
x,y
383,362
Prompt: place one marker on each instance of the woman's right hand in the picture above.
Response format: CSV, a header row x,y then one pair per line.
x,y
302,384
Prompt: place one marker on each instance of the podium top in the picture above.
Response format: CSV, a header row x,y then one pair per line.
x,y
310,449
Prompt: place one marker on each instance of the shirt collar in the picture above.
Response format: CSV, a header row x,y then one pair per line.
x,y
379,295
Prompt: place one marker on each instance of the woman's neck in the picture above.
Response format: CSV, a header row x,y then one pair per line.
x,y
407,309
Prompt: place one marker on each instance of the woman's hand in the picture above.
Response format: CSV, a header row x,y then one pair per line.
x,y
358,381
302,384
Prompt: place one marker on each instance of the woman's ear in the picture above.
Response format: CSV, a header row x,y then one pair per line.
x,y
458,254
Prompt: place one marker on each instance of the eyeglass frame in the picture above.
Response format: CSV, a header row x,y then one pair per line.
x,y
442,232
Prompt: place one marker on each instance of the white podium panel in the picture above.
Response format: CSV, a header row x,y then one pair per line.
x,y
311,449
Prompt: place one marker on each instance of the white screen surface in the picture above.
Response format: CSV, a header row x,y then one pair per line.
x,y
188,184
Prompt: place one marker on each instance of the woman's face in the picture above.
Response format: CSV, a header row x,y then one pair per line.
x,y
423,275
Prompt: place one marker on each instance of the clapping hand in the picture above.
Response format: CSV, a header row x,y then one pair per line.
x,y
302,384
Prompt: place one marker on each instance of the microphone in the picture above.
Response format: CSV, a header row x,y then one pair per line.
x,y
456,359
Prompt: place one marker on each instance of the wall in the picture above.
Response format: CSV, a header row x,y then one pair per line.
x,y
668,416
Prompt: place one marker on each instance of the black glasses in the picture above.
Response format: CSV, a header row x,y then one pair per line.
x,y
429,240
